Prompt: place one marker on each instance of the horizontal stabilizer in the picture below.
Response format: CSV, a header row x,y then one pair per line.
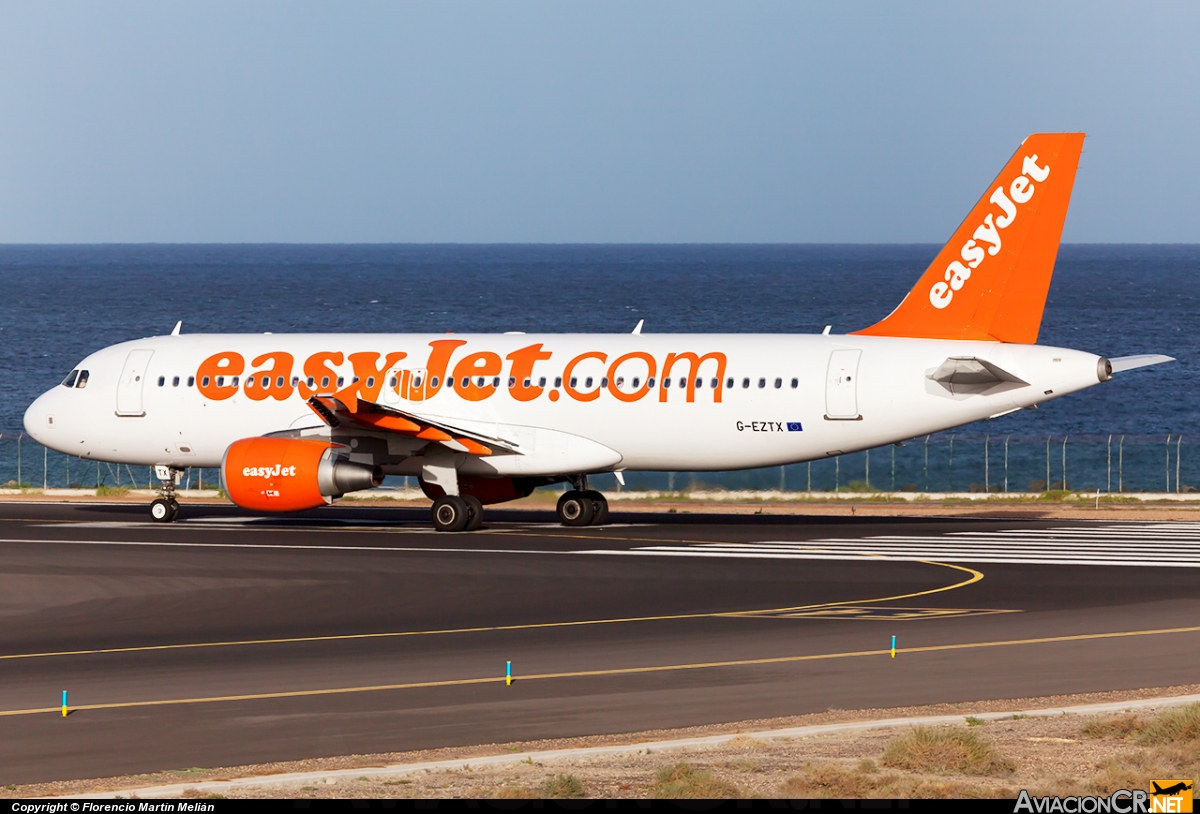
x,y
1122,363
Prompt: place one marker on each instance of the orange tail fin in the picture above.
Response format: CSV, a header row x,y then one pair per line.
x,y
990,281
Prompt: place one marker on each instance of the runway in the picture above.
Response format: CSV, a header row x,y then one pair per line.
x,y
226,639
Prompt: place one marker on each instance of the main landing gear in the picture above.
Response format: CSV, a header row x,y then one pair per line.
x,y
165,509
582,506
457,513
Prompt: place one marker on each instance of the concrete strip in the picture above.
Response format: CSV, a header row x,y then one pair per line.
x,y
221,786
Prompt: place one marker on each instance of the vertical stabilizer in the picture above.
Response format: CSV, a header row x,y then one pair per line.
x,y
990,281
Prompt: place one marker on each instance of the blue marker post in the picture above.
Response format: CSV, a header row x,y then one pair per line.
x,y
64,703
893,647
507,675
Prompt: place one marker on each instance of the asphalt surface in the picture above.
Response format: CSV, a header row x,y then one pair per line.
x,y
224,639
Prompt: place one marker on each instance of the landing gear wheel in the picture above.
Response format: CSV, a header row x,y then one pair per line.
x,y
474,513
575,509
450,513
160,511
174,510
599,507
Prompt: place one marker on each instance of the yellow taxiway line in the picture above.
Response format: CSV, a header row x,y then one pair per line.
x,y
621,671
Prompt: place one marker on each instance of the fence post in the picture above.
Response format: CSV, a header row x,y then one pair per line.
x,y
810,476
867,470
1168,465
837,474
987,486
1064,470
926,463
951,489
1178,446
1047,463
1110,464
1121,465
893,467
45,462
1006,463
19,437
781,479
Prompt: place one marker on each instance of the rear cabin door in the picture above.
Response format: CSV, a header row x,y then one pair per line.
x,y
841,385
133,378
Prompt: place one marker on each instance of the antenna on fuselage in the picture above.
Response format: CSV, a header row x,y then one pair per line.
x,y
175,330
638,328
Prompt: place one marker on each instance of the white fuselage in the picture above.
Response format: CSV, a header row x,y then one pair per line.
x,y
840,401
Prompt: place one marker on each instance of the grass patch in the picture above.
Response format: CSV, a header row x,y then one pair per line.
x,y
514,793
946,750
1120,727
682,781
563,787
830,781
112,491
1174,726
973,721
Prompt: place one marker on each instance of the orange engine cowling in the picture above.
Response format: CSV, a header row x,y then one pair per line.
x,y
291,474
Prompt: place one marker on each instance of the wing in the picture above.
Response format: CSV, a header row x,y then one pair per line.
x,y
346,408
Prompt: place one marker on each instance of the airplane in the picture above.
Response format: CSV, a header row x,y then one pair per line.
x,y
1170,791
295,421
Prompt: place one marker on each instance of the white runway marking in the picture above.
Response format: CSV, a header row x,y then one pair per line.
x,y
1163,545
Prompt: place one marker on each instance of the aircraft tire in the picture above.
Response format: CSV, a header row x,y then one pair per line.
x,y
474,512
160,511
174,511
599,507
574,509
450,513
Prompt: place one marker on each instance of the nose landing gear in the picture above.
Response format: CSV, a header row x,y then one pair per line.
x,y
165,509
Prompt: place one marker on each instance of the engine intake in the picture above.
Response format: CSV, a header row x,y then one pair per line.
x,y
291,474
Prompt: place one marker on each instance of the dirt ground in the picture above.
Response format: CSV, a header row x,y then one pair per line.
x,y
1058,756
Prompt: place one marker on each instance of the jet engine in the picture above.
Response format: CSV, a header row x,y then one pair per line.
x,y
291,474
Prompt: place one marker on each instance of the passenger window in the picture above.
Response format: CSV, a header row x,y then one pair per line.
x,y
433,382
204,382
466,381
526,383
70,380
220,381
496,382
715,382
512,382
162,380
236,379
682,382
795,383
310,381
279,381
175,382
392,382
745,383
370,381
778,383
479,380
729,383
250,383
342,381
354,380
636,382
574,381
604,381
666,384
416,381
542,382
295,381
587,382
324,381
620,381
191,381
762,383
650,382
558,381
449,382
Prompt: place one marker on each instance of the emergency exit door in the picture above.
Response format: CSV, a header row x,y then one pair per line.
x,y
133,378
841,385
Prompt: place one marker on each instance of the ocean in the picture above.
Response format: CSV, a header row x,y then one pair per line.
x,y
62,302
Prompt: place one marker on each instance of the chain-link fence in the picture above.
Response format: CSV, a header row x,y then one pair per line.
x,y
945,462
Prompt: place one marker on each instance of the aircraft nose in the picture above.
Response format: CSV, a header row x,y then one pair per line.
x,y
40,418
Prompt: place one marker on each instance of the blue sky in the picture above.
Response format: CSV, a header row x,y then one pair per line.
x,y
583,122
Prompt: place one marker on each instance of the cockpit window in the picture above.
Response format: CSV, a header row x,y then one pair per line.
x,y
70,380
82,381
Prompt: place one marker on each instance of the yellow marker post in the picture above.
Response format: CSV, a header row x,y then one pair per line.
x,y
64,703
893,647
507,676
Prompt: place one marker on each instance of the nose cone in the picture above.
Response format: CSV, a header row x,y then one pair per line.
x,y
40,419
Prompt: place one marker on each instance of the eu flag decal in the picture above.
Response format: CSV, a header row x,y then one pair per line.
x,y
794,426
